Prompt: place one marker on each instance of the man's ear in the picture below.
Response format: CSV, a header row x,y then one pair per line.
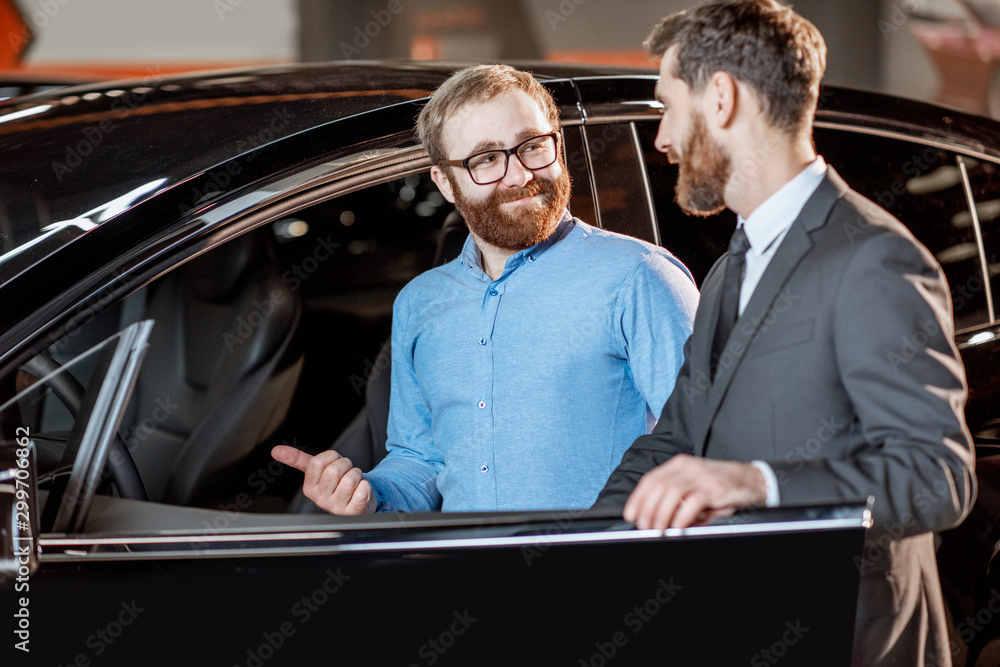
x,y
444,185
721,99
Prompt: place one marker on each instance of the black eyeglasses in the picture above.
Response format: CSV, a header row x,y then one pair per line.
x,y
491,166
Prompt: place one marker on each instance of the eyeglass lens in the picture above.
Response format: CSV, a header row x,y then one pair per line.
x,y
535,153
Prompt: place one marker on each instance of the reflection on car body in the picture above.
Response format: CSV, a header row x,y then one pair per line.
x,y
265,222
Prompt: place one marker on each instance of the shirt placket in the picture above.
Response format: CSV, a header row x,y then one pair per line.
x,y
484,431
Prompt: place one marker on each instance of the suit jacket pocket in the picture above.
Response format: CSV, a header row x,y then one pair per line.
x,y
772,340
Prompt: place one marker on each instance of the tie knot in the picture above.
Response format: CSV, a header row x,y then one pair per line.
x,y
739,243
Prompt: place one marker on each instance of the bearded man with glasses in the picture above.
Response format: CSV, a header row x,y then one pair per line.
x,y
523,369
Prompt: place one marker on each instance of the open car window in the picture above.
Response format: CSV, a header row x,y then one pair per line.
x,y
69,413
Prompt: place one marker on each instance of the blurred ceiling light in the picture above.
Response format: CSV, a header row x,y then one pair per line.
x,y
25,112
958,253
988,211
940,179
980,338
290,228
222,81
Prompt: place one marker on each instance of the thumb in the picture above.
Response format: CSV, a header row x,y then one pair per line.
x,y
291,456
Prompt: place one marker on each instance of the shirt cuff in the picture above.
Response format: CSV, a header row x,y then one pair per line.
x,y
382,494
771,481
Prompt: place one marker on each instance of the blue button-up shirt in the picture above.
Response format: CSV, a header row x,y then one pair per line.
x,y
522,393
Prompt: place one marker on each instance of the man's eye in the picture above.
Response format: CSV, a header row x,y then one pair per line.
x,y
484,160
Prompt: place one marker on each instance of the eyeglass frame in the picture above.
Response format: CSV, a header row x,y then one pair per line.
x,y
507,153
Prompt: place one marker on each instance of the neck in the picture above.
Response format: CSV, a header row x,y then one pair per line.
x,y
769,164
494,259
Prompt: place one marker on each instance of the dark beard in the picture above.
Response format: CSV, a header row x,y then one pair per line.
x,y
705,168
522,228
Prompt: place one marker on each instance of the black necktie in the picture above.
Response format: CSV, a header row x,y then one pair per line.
x,y
738,246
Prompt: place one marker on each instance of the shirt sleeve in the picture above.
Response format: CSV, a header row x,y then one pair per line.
x,y
406,479
656,312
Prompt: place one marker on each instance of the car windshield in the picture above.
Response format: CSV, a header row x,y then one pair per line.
x,y
70,414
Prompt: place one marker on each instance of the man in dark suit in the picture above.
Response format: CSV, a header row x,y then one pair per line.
x,y
821,366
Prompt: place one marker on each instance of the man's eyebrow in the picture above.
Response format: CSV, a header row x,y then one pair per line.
x,y
491,145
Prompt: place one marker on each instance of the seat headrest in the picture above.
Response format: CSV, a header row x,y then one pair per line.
x,y
216,275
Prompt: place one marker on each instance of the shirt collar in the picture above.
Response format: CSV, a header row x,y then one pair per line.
x,y
779,211
472,258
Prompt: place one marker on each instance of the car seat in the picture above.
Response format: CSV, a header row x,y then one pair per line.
x,y
220,372
363,441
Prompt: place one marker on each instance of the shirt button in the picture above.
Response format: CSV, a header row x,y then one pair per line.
x,y
482,404
531,258
493,292
482,341
484,468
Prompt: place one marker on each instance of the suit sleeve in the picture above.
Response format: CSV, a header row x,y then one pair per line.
x,y
893,340
406,479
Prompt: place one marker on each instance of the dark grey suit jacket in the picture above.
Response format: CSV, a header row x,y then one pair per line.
x,y
843,376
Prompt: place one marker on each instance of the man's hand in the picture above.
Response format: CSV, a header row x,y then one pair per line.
x,y
689,490
331,481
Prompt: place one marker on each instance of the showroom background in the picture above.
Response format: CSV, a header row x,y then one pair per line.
x,y
871,43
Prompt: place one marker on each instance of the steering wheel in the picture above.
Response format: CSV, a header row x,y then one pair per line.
x,y
124,473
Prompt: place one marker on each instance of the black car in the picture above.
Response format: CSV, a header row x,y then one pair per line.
x,y
195,268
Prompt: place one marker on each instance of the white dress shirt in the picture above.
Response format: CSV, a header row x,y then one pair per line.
x,y
768,224
765,228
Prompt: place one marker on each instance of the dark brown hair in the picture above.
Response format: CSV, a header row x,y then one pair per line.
x,y
472,85
763,43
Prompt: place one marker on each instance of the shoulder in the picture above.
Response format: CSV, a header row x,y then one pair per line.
x,y
430,286
863,229
626,252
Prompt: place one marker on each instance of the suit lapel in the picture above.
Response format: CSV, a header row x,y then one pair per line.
x,y
794,247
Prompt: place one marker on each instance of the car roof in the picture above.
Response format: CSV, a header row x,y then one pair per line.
x,y
79,156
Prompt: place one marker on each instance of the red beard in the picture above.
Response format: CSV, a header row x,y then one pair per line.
x,y
520,228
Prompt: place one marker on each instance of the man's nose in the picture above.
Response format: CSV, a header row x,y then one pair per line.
x,y
662,141
517,175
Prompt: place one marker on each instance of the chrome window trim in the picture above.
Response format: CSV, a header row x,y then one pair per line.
x,y
61,549
977,228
